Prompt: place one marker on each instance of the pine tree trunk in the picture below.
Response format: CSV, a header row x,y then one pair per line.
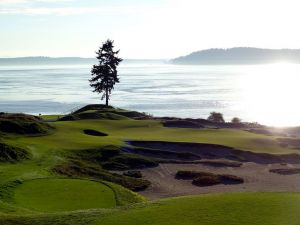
x,y
106,95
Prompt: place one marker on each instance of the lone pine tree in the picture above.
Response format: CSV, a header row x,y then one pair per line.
x,y
105,74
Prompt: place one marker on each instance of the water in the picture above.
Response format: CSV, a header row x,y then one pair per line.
x,y
258,93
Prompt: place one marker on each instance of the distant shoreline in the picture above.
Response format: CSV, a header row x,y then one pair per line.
x,y
239,56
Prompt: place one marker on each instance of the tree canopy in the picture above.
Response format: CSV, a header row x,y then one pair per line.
x,y
105,74
216,117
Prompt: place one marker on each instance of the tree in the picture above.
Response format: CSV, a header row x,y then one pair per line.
x,y
105,74
236,120
216,117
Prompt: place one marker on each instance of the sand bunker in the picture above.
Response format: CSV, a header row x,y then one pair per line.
x,y
289,143
257,178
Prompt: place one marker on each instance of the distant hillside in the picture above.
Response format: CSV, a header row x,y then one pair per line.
x,y
241,55
41,60
45,60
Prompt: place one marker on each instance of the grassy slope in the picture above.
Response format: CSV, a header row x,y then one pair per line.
x,y
48,151
220,209
211,209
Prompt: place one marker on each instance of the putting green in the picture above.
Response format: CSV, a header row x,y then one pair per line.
x,y
53,195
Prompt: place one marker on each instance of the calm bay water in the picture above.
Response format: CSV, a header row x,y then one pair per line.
x,y
263,93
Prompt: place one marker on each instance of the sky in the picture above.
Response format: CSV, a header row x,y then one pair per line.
x,y
146,29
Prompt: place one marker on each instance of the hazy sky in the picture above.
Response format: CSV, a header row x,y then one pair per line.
x,y
145,28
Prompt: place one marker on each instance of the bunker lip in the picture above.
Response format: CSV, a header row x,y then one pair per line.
x,y
286,171
94,133
207,151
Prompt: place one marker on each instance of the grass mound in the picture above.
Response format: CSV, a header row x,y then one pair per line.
x,y
94,133
95,163
54,195
84,169
102,112
128,161
163,155
93,107
208,179
23,124
12,154
19,116
112,158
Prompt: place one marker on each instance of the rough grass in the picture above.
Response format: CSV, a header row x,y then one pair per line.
x,y
125,197
12,154
128,161
112,158
81,169
102,112
23,124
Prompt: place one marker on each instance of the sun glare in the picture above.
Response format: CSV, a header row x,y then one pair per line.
x,y
270,93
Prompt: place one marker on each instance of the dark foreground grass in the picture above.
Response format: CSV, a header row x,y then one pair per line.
x,y
212,209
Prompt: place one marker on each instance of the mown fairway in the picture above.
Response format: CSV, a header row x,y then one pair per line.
x,y
219,209
212,209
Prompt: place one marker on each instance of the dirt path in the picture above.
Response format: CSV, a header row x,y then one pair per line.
x,y
257,179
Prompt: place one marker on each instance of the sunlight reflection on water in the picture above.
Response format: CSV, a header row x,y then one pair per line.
x,y
264,93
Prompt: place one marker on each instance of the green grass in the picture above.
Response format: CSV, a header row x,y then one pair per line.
x,y
214,209
41,192
50,117
54,195
209,209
